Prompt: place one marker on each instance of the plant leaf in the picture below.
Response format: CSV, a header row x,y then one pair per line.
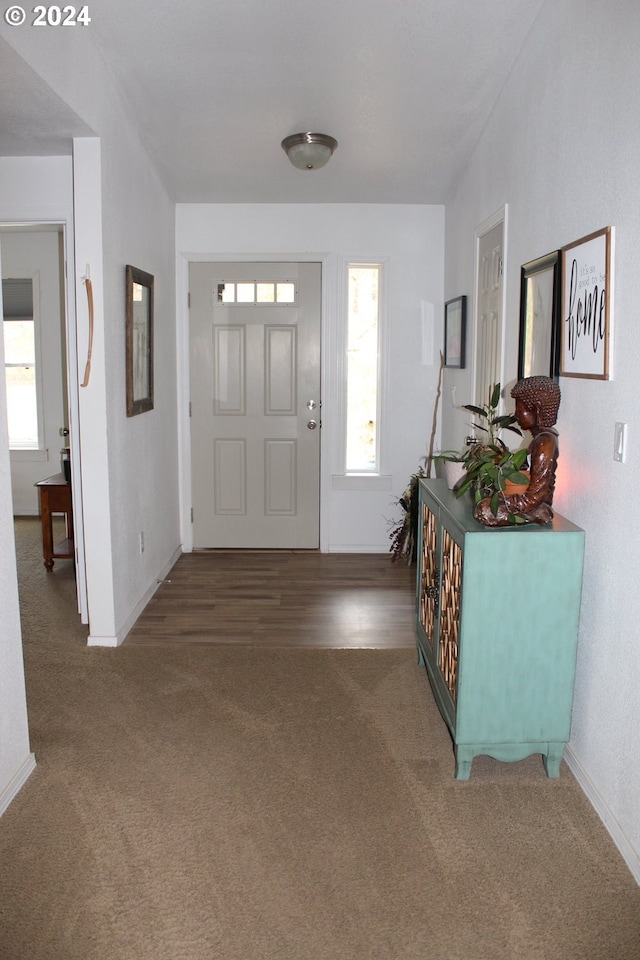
x,y
495,396
477,410
463,487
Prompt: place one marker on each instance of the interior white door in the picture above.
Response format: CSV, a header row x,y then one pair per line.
x,y
489,312
255,404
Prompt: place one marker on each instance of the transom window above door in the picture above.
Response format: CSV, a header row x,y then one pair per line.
x,y
262,292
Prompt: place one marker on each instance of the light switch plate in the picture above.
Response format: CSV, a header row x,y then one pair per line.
x,y
620,442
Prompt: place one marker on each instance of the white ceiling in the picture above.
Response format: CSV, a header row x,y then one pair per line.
x,y
34,121
405,86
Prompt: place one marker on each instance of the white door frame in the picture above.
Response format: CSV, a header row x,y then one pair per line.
x,y
329,296
66,222
500,216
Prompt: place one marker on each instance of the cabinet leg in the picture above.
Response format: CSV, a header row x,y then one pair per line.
x,y
48,564
464,759
552,758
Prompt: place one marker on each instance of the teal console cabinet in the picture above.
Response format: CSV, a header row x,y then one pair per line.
x,y
497,624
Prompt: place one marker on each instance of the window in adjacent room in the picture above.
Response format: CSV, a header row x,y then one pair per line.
x,y
21,370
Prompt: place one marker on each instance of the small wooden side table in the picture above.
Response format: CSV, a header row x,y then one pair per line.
x,y
55,497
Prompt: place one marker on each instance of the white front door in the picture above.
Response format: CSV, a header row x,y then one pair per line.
x,y
255,404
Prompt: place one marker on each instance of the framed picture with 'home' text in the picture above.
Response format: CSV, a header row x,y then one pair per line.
x,y
587,317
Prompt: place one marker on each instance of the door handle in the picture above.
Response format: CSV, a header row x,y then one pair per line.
x,y
87,369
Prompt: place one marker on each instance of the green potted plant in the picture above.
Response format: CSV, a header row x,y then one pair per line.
x,y
491,471
489,464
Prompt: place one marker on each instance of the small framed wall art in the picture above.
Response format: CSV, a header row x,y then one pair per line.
x,y
139,340
587,319
540,305
455,324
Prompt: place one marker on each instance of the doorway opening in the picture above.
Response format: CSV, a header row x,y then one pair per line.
x,y
490,239
254,347
40,368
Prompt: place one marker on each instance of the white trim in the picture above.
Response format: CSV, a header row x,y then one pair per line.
x,y
500,216
361,481
339,361
359,548
106,641
17,782
73,404
97,506
115,641
599,804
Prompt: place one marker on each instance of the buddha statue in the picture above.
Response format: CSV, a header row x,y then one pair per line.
x,y
537,403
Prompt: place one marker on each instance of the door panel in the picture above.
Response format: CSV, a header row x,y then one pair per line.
x,y
489,300
254,368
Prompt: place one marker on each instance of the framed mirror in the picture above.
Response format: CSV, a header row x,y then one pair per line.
x,y
540,290
455,327
139,340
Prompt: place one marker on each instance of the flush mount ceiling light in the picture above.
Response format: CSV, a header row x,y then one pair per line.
x,y
309,151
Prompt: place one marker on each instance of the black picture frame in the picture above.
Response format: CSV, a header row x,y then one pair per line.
x,y
540,306
139,340
455,332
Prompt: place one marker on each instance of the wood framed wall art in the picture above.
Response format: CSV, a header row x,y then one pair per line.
x,y
455,323
139,340
587,319
540,305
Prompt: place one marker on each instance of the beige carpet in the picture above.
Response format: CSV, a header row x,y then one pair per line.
x,y
247,804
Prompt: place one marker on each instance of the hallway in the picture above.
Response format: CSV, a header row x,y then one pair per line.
x,y
282,599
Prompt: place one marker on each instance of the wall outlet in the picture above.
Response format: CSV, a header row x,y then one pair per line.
x,y
141,541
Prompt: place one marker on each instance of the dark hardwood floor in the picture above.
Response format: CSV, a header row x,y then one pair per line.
x,y
282,599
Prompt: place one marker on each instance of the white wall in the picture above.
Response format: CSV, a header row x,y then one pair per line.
x,y
138,229
562,148
131,464
39,189
16,761
411,239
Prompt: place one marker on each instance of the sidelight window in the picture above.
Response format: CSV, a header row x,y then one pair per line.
x,y
363,367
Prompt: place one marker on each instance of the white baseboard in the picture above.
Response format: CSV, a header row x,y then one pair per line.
x,y
17,782
630,856
115,641
97,641
358,548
